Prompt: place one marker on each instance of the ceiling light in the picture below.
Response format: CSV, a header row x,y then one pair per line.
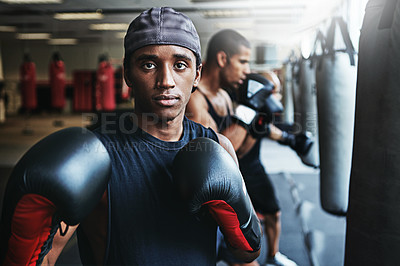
x,y
63,41
32,1
226,13
33,36
235,25
109,26
79,16
8,29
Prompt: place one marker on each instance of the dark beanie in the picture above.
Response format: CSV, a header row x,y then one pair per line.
x,y
162,25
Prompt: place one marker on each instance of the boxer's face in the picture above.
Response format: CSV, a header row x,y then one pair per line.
x,y
162,77
236,69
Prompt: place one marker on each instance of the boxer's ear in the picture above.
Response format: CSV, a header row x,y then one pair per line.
x,y
198,76
222,59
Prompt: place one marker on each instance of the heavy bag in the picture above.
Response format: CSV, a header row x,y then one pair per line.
x,y
28,85
296,92
336,77
287,94
57,84
373,219
105,87
83,91
308,101
309,114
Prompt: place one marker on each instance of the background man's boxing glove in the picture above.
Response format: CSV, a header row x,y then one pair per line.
x,y
257,124
256,105
260,127
256,93
61,178
208,178
300,143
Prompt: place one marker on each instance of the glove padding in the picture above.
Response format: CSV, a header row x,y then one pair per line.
x,y
256,93
61,178
300,143
207,178
257,124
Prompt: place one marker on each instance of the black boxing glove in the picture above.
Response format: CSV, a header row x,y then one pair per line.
x,y
61,178
256,93
300,143
260,127
257,124
208,179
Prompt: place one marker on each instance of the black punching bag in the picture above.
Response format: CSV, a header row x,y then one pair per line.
x,y
287,93
373,219
336,76
308,99
309,115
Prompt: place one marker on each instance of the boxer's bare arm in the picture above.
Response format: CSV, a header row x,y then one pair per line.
x,y
59,243
224,142
236,134
247,145
197,110
94,227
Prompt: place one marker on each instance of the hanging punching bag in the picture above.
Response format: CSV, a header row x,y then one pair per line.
x,y
287,93
57,82
373,220
336,77
105,87
309,115
296,92
28,84
308,100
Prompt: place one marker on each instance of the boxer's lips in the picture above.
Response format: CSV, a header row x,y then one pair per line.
x,y
166,100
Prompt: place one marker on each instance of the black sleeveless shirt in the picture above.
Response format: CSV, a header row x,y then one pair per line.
x,y
222,121
148,223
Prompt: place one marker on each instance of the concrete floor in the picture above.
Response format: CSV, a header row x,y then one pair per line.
x,y
297,186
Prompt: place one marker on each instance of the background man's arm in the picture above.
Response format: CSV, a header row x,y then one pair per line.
x,y
197,110
59,243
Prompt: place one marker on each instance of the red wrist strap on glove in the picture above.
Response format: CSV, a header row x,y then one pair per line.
x,y
227,219
30,228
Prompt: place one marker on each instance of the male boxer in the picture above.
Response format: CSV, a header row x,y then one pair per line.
x,y
159,208
227,66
